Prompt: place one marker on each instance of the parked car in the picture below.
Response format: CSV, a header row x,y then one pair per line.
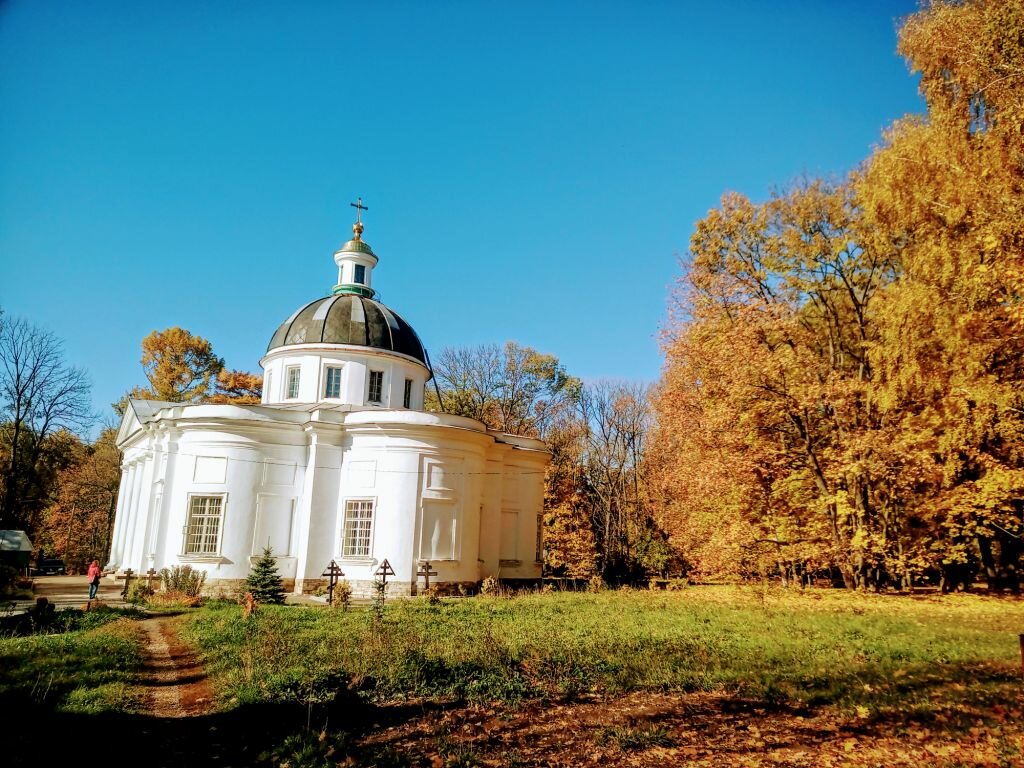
x,y
51,567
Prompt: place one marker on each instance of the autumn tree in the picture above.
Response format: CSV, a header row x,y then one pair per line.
x,y
615,420
237,387
180,367
944,194
843,382
43,399
513,388
766,385
78,524
570,548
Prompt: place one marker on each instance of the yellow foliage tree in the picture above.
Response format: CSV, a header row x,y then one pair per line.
x,y
180,367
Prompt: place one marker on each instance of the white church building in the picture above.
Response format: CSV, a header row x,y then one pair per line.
x,y
339,462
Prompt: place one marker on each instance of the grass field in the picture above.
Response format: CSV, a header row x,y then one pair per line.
x,y
865,654
82,663
707,676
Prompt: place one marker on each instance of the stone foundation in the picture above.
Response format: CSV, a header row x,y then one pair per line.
x,y
232,589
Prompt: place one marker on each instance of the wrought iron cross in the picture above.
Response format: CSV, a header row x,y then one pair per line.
x,y
426,573
358,205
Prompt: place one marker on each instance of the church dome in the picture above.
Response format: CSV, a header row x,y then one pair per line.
x,y
350,319
357,246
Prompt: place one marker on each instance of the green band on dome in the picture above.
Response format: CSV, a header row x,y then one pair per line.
x,y
358,290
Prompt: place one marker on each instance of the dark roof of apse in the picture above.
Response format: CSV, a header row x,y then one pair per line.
x,y
350,319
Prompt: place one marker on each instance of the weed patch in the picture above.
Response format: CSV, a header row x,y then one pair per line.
x,y
630,738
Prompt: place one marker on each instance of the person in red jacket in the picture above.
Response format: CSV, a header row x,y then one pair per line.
x,y
94,578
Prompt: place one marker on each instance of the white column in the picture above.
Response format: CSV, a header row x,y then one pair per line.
x,y
137,543
115,537
131,523
152,513
127,511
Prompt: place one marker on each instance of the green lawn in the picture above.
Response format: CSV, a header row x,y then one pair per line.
x,y
863,653
87,668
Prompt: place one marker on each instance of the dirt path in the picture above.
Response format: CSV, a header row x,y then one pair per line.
x,y
174,680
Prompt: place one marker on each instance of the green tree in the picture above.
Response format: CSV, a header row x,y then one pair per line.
x,y
264,582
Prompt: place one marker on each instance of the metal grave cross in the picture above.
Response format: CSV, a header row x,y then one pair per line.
x,y
426,573
128,575
358,205
384,571
332,572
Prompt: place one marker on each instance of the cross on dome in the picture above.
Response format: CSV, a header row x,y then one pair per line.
x,y
357,228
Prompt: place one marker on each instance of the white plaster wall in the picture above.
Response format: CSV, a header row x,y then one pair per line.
x,y
356,363
317,461
346,262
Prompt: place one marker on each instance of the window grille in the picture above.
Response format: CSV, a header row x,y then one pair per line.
x,y
202,535
407,397
293,383
376,385
358,522
332,386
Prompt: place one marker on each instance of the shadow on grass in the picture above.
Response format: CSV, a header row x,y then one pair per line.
x,y
39,738
939,707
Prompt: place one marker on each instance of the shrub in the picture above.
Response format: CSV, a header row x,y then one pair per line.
x,y
8,579
264,583
139,592
595,584
490,586
342,595
183,581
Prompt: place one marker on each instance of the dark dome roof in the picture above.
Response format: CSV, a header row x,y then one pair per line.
x,y
349,319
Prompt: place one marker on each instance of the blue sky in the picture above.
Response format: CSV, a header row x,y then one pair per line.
x,y
533,170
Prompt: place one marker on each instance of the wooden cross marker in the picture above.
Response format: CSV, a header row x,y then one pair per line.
x,y
332,572
150,575
384,571
128,575
426,573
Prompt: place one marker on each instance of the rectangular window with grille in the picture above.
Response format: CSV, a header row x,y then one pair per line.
x,y
376,386
332,383
358,523
202,533
407,397
292,390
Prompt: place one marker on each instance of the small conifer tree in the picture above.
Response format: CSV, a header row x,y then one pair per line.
x,y
264,583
